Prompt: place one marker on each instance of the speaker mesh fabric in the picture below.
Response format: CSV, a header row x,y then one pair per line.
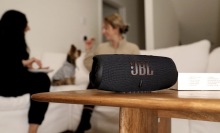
x,y
132,73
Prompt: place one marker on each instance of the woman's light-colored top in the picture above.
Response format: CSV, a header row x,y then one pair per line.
x,y
124,47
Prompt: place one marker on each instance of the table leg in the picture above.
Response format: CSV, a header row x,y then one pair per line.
x,y
137,120
164,125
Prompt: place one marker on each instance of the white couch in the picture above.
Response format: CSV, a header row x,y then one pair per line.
x,y
193,57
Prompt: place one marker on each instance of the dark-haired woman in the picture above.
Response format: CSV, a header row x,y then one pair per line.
x,y
15,62
113,29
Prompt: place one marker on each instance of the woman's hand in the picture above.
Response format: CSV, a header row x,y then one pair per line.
x,y
29,63
89,44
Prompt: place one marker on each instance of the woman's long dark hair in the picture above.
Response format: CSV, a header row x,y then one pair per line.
x,y
12,36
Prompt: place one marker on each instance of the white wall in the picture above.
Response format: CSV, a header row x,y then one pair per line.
x,y
218,25
55,24
199,19
162,29
149,24
166,25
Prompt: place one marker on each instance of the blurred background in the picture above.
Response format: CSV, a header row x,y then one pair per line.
x,y
56,24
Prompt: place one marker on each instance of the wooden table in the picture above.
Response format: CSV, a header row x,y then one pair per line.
x,y
139,112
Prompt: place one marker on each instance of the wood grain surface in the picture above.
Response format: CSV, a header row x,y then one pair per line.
x,y
145,112
189,101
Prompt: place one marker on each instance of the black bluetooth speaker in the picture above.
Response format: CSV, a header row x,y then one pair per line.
x,y
132,73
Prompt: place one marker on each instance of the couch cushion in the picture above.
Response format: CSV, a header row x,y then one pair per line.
x,y
197,126
13,114
14,103
188,58
214,64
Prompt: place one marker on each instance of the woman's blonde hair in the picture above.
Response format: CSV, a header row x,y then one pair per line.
x,y
115,20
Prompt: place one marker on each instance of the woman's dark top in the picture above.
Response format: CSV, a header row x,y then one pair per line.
x,y
15,76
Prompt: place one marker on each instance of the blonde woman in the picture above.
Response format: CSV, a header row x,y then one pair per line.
x,y
113,29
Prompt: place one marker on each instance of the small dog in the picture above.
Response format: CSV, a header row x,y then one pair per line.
x,y
66,74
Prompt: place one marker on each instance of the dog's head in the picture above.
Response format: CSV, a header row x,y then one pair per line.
x,y
73,54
